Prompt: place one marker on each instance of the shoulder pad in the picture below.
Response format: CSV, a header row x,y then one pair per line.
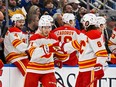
x,y
14,29
93,34
35,36
59,28
53,36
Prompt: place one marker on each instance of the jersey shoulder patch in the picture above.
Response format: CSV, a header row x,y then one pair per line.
x,y
14,29
36,36
93,34
53,36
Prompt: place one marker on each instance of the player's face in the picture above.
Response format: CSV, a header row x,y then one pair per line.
x,y
102,27
46,30
20,24
73,23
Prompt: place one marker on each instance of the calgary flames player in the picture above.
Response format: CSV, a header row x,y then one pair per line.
x,y
66,34
15,44
41,65
101,23
92,53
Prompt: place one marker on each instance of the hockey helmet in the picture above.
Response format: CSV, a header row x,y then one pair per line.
x,y
100,20
17,17
67,17
89,19
48,17
44,22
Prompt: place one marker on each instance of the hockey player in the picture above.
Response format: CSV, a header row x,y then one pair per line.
x,y
65,34
14,44
92,53
101,23
41,65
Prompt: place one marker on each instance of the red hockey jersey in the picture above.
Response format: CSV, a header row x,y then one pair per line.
x,y
67,34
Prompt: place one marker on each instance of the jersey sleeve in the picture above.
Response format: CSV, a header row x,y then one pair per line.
x,y
37,52
17,41
71,46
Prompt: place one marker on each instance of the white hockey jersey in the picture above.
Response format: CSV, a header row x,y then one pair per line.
x,y
14,45
40,62
112,42
91,50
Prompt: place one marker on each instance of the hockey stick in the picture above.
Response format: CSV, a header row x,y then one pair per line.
x,y
95,79
92,82
60,83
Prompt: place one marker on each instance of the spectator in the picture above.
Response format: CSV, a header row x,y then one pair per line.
x,y
75,5
15,45
31,26
68,9
49,8
14,9
82,11
57,20
2,7
34,9
1,38
30,3
61,4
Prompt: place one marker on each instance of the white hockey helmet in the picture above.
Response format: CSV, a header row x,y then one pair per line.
x,y
89,19
101,20
44,22
67,17
48,17
17,17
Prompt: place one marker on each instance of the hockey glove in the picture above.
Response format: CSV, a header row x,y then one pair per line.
x,y
99,72
58,63
54,47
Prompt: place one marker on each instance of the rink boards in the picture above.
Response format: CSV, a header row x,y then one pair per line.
x,y
11,77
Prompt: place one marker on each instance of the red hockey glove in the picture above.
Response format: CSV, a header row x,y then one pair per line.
x,y
113,59
54,47
1,64
99,72
58,63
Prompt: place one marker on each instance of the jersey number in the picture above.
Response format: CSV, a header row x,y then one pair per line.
x,y
66,38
